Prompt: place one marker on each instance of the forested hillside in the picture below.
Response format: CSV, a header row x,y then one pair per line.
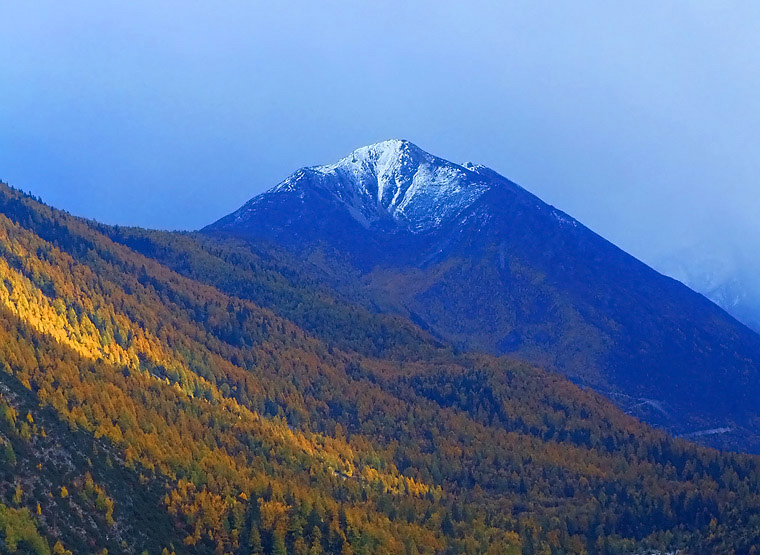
x,y
196,397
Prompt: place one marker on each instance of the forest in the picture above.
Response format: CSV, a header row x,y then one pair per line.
x,y
172,393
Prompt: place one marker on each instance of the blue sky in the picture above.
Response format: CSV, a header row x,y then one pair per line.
x,y
641,119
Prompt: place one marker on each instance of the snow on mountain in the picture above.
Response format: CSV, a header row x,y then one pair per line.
x,y
393,180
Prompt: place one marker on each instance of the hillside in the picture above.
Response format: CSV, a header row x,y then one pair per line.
x,y
481,263
144,409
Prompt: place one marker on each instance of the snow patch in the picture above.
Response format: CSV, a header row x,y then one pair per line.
x,y
564,219
394,180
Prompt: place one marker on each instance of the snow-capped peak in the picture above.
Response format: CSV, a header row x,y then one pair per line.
x,y
395,180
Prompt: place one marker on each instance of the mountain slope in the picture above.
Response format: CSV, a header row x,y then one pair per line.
x,y
245,433
478,261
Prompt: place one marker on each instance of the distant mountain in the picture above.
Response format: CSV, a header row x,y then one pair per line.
x,y
480,262
177,393
730,281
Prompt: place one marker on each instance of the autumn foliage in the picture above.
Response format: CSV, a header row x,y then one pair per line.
x,y
204,422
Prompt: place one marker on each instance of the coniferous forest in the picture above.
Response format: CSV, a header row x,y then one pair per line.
x,y
176,393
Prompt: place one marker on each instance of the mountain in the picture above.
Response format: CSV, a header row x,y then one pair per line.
x,y
728,279
164,392
480,262
391,189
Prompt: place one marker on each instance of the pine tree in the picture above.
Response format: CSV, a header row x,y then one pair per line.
x,y
278,545
316,542
254,540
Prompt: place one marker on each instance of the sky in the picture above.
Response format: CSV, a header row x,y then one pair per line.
x,y
641,119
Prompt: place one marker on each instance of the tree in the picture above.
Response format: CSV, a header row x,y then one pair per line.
x,y
278,544
254,540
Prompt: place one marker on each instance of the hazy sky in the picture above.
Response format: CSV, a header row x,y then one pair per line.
x,y
640,119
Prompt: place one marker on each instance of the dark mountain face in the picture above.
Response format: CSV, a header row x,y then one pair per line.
x,y
480,262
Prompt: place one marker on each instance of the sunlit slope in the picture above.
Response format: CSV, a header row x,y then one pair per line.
x,y
243,433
